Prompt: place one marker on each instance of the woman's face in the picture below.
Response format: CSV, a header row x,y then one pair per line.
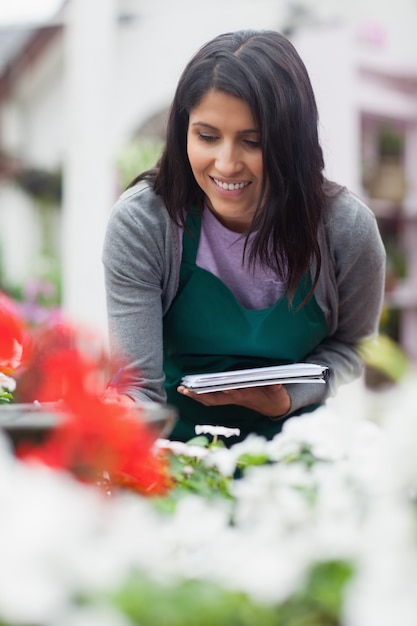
x,y
224,150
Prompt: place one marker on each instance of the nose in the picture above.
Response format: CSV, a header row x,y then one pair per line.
x,y
227,160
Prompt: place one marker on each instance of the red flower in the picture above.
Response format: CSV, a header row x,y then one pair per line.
x,y
94,436
63,362
14,337
97,438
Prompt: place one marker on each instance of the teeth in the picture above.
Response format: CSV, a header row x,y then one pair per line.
x,y
230,186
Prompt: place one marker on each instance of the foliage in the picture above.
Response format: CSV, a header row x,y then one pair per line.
x,y
390,141
197,603
43,185
191,475
137,157
384,355
192,603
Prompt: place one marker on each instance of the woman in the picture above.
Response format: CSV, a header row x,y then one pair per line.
x,y
235,251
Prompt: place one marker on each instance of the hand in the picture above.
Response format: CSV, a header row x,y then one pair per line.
x,y
112,395
271,400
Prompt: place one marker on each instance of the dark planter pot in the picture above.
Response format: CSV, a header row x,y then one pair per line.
x,y
32,423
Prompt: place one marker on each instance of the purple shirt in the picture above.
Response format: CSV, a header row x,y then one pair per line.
x,y
220,252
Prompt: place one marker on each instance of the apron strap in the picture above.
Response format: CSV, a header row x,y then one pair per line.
x,y
190,240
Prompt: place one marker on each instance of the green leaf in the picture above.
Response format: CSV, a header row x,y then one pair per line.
x,y
384,355
190,603
200,441
247,460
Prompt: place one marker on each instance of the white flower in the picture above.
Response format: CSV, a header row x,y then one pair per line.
x,y
399,416
222,431
7,382
60,539
385,586
224,460
325,433
253,445
268,570
183,449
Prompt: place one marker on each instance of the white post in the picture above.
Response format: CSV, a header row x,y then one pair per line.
x,y
89,186
333,77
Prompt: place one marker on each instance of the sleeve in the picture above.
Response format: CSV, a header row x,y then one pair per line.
x,y
139,269
354,286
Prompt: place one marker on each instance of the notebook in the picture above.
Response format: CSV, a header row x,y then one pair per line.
x,y
256,377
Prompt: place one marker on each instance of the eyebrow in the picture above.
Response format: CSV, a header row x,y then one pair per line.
x,y
209,126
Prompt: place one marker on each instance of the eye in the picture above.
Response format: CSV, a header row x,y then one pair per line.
x,y
207,137
252,143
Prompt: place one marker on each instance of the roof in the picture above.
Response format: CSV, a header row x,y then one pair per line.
x,y
19,46
12,41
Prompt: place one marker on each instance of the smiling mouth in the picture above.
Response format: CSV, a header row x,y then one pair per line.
x,y
230,186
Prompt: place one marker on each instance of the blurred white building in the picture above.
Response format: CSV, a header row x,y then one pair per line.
x,y
75,92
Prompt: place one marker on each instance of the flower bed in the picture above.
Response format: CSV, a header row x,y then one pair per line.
x,y
103,523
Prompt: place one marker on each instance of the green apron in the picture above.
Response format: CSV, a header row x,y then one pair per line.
x,y
207,330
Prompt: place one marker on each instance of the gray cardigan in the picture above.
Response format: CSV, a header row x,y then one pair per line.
x,y
141,259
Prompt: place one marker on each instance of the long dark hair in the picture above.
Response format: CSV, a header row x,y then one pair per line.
x,y
264,69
